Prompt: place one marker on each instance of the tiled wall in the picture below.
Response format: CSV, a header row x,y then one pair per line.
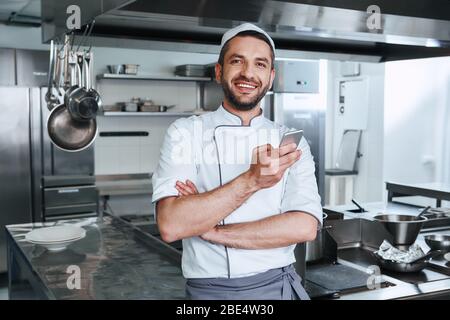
x,y
117,155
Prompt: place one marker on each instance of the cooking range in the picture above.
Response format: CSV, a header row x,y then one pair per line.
x,y
349,265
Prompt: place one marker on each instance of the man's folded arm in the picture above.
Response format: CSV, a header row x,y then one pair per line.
x,y
279,230
193,215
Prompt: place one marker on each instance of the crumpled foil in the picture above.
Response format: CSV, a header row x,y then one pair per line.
x,y
388,252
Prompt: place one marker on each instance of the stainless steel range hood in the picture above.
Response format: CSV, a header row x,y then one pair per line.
x,y
413,30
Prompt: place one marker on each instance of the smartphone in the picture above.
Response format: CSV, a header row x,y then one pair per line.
x,y
292,137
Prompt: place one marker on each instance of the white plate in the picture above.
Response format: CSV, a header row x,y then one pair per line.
x,y
33,239
57,246
45,242
55,234
447,256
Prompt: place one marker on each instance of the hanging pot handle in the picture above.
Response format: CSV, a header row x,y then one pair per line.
x,y
51,100
80,69
66,73
87,69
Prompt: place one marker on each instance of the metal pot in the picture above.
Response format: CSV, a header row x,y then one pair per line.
x,y
82,104
88,81
314,249
403,228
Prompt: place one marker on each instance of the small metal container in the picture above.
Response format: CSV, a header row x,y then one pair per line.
x,y
190,70
112,108
116,69
131,107
131,68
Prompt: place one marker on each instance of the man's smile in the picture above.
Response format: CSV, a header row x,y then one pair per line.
x,y
245,87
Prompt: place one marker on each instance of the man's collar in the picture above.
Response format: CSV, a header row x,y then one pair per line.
x,y
229,118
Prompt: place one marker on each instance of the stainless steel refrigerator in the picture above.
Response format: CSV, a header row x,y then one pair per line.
x,y
298,100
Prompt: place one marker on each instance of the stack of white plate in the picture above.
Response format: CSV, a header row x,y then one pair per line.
x,y
56,238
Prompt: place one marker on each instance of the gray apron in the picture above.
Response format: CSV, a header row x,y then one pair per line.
x,y
276,284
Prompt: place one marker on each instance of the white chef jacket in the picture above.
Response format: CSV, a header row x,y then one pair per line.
x,y
211,150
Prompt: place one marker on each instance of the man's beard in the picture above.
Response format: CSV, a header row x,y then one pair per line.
x,y
242,106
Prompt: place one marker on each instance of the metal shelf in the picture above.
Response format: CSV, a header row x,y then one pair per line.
x,y
150,114
148,77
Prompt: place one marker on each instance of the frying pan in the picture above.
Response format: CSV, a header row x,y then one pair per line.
x,y
438,242
69,134
414,266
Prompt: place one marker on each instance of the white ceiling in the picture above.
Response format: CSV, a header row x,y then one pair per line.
x,y
23,7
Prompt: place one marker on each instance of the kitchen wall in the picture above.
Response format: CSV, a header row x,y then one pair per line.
x,y
417,117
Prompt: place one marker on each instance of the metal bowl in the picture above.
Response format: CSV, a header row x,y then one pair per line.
x,y
438,242
403,228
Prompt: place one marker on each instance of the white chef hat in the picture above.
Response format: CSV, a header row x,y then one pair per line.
x,y
245,27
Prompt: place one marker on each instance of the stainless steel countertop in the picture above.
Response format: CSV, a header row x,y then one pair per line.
x,y
129,184
116,261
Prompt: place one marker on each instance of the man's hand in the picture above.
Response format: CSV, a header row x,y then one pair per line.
x,y
211,235
269,164
186,189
